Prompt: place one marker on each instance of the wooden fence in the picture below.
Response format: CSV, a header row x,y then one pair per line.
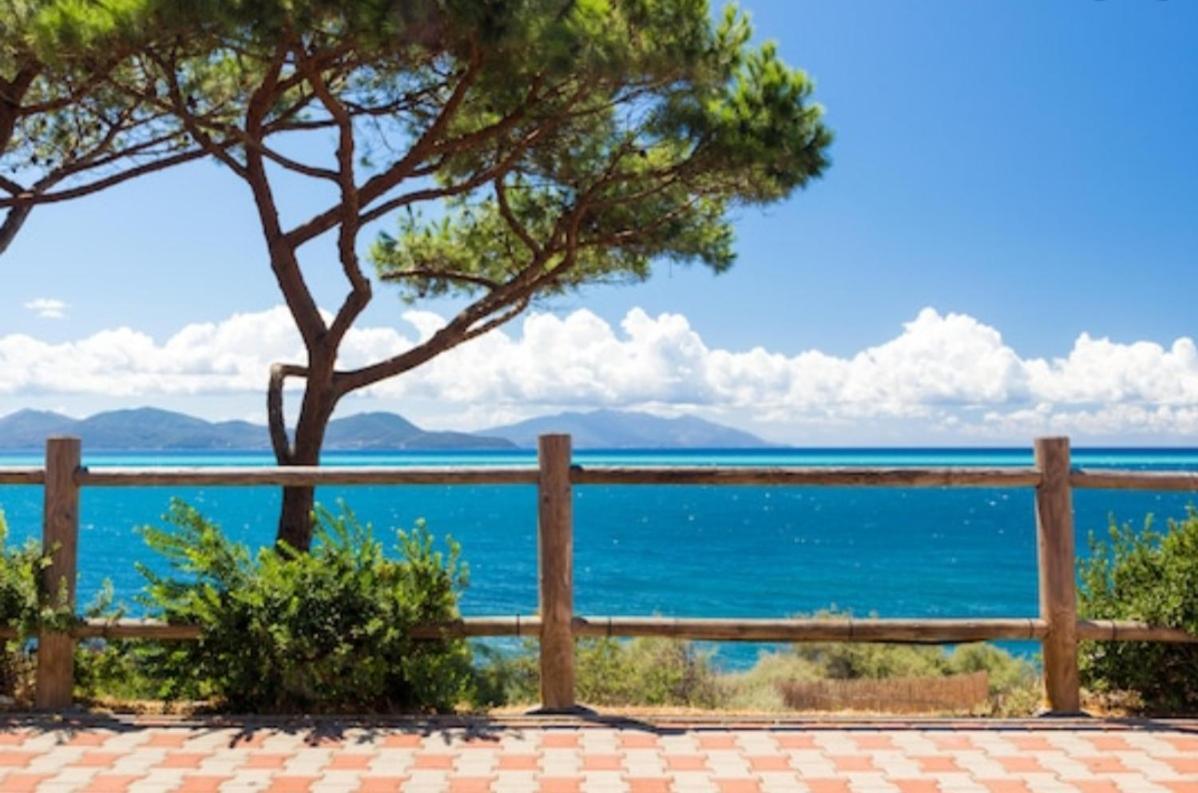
x,y
557,626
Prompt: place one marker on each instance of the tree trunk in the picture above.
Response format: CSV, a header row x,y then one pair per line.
x,y
295,517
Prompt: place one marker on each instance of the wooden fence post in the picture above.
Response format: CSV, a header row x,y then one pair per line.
x,y
60,536
555,552
1058,576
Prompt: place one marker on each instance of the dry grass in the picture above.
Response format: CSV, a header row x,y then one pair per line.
x,y
950,693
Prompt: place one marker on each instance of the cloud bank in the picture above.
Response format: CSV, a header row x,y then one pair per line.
x,y
941,376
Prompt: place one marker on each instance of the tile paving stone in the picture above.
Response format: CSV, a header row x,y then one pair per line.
x,y
602,781
638,740
727,763
638,784
778,782
110,783
515,782
199,784
1093,757
827,785
381,784
697,781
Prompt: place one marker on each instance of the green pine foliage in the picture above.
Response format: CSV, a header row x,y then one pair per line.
x,y
327,630
1151,576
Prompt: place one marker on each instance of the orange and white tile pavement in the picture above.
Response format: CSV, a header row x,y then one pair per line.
x,y
143,755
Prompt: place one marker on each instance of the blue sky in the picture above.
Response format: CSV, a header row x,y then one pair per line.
x,y
1030,166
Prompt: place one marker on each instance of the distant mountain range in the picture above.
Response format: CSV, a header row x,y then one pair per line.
x,y
615,429
151,429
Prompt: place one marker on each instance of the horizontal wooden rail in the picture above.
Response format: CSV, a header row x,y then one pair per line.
x,y
519,625
589,475
1134,480
813,630
749,629
22,476
302,475
853,477
1131,631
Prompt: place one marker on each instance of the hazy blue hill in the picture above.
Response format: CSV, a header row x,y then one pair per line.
x,y
387,431
28,429
151,429
615,429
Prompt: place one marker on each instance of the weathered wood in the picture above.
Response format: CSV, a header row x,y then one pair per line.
x,y
22,476
300,476
1135,480
814,630
782,630
1131,631
845,477
156,630
1058,581
519,625
555,545
60,539
147,629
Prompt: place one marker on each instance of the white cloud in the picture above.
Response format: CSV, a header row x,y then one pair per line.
x,y
942,376
47,308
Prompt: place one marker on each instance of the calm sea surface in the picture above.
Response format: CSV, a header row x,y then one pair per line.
x,y
676,551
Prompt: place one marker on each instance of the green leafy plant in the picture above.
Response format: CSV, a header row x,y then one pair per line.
x,y
25,608
646,671
328,630
1152,576
613,672
20,568
669,672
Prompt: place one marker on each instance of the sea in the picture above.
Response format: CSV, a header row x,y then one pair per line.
x,y
697,551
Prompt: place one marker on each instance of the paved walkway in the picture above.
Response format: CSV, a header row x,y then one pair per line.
x,y
563,756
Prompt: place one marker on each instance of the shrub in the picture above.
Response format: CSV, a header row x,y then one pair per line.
x,y
25,608
1013,684
646,671
327,630
1150,576
613,672
669,672
842,661
20,569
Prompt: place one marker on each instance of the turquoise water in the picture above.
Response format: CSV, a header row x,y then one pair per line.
x,y
677,551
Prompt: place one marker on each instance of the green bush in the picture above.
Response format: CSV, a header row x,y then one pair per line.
x,y
669,672
20,569
840,661
646,671
613,672
25,608
282,631
1014,688
1151,576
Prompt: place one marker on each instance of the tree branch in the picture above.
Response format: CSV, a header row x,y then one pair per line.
x,y
433,275
283,260
505,210
380,184
347,231
14,218
276,418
